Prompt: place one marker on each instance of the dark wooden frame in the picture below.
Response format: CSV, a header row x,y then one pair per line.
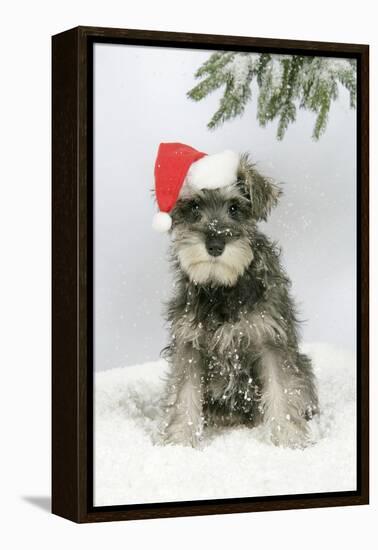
x,y
72,382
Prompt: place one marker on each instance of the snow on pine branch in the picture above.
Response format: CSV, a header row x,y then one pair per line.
x,y
285,83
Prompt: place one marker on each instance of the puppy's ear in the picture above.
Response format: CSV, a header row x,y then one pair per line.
x,y
261,191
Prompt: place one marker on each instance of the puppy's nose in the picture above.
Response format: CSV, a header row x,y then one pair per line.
x,y
215,245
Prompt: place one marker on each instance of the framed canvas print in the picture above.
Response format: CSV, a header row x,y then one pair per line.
x,y
210,274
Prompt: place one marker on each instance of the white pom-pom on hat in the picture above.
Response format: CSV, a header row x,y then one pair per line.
x,y
162,222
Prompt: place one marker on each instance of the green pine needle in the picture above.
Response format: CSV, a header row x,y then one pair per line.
x,y
284,84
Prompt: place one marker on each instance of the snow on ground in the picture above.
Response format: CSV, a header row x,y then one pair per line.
x,y
129,468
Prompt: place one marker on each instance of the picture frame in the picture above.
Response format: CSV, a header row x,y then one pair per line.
x,y
72,274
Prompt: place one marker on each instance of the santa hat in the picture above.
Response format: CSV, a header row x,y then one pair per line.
x,y
180,167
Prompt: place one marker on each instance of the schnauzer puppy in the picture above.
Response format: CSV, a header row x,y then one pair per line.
x,y
233,352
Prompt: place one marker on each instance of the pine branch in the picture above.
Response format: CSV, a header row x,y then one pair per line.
x,y
284,83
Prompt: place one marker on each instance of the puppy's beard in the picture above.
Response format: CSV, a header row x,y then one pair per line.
x,y
223,270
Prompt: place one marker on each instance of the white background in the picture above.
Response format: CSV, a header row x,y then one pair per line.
x,y
25,274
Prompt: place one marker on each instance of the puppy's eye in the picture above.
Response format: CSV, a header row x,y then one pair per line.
x,y
233,209
195,211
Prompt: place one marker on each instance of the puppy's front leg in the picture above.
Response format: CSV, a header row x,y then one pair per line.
x,y
287,395
183,406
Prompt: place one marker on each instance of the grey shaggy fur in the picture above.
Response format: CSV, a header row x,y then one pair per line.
x,y
233,352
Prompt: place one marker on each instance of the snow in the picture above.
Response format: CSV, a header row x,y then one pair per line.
x,y
240,67
129,468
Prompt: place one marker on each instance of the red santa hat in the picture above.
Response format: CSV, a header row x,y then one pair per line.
x,y
180,167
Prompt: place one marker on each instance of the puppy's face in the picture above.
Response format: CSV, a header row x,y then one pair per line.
x,y
213,228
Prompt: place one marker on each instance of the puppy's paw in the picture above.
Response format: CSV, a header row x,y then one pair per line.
x,y
290,433
181,433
